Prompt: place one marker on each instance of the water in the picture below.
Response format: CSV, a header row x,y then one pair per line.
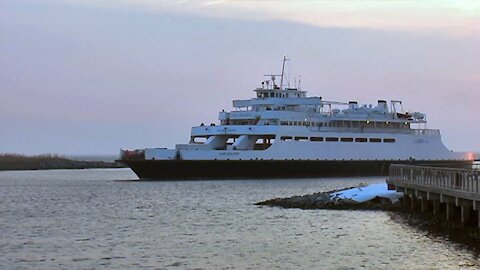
x,y
86,219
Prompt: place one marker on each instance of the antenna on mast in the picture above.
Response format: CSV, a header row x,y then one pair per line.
x,y
283,70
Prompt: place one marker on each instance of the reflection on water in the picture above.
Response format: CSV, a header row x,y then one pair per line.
x,y
86,219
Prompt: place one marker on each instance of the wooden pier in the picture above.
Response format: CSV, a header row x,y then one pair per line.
x,y
454,193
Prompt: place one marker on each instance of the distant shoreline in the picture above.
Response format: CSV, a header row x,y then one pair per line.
x,y
14,162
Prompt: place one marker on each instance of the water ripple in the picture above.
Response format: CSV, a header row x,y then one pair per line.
x,y
86,219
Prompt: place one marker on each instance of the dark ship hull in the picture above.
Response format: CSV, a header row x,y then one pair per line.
x,y
267,169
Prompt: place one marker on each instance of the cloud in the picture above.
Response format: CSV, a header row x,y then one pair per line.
x,y
209,3
95,76
451,17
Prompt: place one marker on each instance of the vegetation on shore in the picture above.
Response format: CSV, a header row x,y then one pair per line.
x,y
48,162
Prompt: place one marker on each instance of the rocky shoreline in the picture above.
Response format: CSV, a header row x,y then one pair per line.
x,y
468,234
332,200
50,162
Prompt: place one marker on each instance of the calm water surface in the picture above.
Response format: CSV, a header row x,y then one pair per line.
x,y
87,219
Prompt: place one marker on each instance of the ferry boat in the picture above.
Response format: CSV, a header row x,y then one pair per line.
x,y
283,133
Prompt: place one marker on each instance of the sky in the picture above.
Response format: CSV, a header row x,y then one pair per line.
x,y
89,77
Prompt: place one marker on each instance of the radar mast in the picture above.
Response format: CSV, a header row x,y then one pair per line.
x,y
283,70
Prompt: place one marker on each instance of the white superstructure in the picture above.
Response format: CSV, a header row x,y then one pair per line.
x,y
283,123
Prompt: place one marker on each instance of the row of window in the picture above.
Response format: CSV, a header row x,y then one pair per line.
x,y
341,124
347,124
336,139
276,95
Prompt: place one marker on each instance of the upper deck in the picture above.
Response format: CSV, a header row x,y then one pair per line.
x,y
279,103
283,105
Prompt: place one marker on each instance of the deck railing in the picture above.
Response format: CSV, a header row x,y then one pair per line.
x,y
132,154
463,180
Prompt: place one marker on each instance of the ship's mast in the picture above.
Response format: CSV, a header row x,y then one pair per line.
x,y
283,70
273,76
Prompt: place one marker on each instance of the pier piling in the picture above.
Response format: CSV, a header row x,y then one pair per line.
x,y
465,211
432,186
413,202
450,208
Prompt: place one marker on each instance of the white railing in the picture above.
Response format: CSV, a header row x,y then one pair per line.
x,y
430,132
464,180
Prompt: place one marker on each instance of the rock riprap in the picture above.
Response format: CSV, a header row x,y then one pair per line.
x,y
374,197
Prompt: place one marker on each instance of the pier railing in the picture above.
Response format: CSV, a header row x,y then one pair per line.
x,y
457,180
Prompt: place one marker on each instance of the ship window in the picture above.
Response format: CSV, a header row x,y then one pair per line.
x,y
375,140
301,138
272,94
199,140
286,138
388,140
316,139
331,139
361,140
346,139
231,140
264,142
